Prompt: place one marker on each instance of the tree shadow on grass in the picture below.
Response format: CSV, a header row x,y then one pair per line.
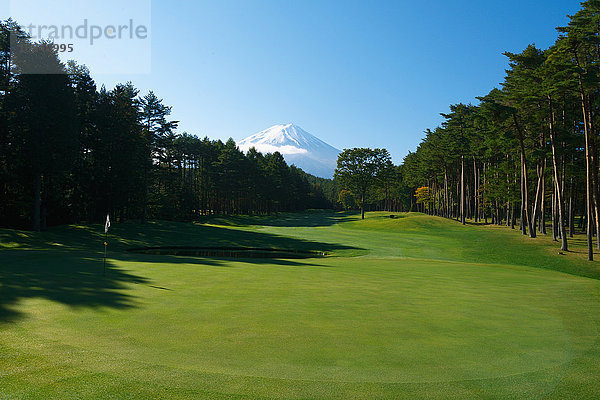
x,y
156,233
73,279
313,218
65,264
61,238
223,262
480,223
173,234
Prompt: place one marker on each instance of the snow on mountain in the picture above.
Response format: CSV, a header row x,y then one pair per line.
x,y
297,146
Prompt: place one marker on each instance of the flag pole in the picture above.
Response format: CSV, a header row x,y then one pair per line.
x,y
105,246
106,226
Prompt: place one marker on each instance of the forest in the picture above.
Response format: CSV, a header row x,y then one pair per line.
x,y
71,152
527,154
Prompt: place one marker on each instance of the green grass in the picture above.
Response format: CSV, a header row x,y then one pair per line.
x,y
413,307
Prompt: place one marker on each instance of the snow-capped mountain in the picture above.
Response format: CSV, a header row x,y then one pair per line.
x,y
297,146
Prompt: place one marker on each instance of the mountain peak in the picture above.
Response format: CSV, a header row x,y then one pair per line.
x,y
297,146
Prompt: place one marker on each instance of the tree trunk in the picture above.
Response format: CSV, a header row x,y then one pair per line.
x,y
362,205
571,217
145,199
512,216
533,220
588,188
595,192
559,200
475,187
462,190
554,212
483,195
543,202
37,201
525,220
44,204
447,204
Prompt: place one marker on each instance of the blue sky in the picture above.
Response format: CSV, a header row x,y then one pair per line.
x,y
354,73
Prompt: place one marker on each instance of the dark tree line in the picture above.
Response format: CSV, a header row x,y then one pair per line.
x,y
70,152
527,154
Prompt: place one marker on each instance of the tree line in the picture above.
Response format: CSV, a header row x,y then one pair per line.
x,y
73,152
527,154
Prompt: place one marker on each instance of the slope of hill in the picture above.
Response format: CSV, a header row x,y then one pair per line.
x,y
297,146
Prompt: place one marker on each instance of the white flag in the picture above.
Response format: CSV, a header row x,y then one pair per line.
x,y
107,224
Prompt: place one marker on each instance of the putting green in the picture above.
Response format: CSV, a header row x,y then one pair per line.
x,y
415,307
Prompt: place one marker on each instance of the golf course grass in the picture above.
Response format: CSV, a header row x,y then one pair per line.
x,y
414,307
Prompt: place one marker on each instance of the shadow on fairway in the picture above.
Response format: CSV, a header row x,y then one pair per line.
x,y
480,223
161,234
305,219
121,237
222,262
65,264
172,234
71,279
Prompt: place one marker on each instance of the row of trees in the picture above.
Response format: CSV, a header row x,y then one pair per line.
x,y
70,152
528,152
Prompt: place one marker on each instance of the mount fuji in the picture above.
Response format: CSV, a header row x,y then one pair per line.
x,y
297,146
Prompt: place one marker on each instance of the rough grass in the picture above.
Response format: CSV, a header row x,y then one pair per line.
x,y
411,307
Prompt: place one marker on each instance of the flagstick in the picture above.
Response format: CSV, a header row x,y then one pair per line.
x,y
106,226
105,246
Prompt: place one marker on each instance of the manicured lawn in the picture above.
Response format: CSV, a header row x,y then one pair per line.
x,y
413,307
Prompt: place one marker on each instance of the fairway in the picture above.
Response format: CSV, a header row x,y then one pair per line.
x,y
413,307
